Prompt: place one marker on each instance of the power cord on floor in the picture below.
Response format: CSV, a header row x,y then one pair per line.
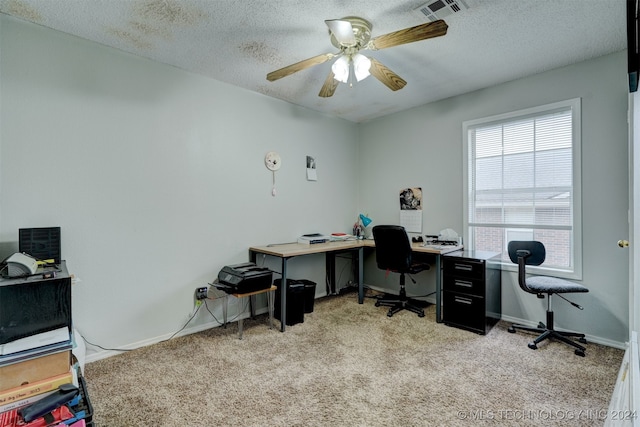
x,y
176,332
131,349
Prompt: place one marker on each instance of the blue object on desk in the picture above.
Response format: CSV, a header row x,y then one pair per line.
x,y
365,220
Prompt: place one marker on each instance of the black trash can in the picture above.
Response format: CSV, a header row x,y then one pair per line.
x,y
295,302
309,295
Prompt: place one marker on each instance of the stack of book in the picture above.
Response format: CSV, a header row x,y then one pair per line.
x,y
33,368
39,384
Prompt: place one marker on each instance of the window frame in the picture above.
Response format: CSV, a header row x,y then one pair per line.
x,y
574,105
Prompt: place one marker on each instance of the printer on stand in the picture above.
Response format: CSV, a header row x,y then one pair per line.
x,y
244,278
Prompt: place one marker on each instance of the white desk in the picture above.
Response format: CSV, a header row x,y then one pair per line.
x,y
291,250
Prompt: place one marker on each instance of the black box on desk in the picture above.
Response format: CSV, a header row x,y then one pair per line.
x,y
295,302
244,278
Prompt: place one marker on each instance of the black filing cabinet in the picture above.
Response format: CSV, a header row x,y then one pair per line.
x,y
471,288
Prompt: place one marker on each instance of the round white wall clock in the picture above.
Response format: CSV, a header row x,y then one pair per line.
x,y
273,162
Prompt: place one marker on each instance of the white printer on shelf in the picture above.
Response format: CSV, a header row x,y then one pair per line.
x,y
20,265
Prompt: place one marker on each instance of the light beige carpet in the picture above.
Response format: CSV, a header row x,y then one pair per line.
x,y
350,365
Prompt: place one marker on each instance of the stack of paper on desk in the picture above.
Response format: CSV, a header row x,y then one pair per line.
x,y
309,239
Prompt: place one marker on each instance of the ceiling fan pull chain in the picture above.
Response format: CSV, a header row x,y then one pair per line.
x,y
351,72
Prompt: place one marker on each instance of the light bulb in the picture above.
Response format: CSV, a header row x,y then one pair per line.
x,y
340,69
361,66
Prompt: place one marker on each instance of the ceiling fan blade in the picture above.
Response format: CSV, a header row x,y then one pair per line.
x,y
386,76
329,86
409,35
299,66
342,31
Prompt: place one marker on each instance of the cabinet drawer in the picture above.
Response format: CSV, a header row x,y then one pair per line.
x,y
472,269
464,311
464,285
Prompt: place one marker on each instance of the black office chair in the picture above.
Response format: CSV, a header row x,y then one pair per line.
x,y
393,253
526,253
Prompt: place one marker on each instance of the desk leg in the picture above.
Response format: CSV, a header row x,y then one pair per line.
x,y
438,290
330,272
270,298
252,306
283,296
225,307
360,275
240,328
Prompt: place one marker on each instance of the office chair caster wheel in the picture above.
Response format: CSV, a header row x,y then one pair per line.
x,y
532,346
579,353
511,329
541,325
389,314
420,314
582,340
377,304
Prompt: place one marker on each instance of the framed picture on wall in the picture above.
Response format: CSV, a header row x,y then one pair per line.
x,y
312,174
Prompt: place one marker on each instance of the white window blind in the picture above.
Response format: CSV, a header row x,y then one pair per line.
x,y
523,182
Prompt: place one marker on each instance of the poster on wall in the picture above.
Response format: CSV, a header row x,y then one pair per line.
x,y
411,209
311,169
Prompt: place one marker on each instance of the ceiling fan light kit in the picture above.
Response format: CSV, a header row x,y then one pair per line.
x,y
342,67
351,35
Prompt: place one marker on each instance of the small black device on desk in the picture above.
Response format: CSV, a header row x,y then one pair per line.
x,y
244,278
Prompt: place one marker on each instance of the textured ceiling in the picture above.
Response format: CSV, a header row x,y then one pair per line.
x,y
239,42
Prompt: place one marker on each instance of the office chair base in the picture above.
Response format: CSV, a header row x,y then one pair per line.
x,y
399,304
551,333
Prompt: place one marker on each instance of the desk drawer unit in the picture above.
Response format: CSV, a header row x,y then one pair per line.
x,y
463,284
464,311
471,290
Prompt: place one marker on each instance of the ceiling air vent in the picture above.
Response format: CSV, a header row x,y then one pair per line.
x,y
439,9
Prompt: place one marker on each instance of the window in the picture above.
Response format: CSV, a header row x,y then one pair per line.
x,y
523,183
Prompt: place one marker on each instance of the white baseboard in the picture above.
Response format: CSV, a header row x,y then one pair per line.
x,y
590,338
103,354
509,319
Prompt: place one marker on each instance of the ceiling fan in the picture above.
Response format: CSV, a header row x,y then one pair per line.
x,y
352,35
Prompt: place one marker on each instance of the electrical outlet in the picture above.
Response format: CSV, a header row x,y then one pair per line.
x,y
201,293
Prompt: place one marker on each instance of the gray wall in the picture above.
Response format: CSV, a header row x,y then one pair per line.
x,y
426,151
156,177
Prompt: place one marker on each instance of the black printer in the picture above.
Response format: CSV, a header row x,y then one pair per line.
x,y
244,278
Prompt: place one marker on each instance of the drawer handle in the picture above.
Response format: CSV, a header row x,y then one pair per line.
x,y
465,267
462,300
464,283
